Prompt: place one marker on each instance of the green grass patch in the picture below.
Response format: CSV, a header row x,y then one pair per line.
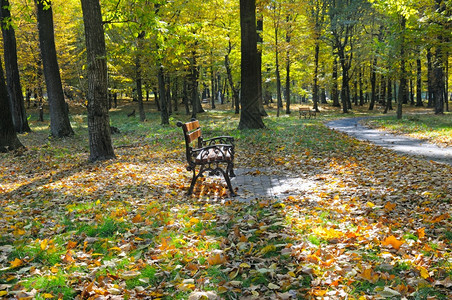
x,y
54,285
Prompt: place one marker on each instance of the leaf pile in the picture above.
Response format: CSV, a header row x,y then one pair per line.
x,y
372,225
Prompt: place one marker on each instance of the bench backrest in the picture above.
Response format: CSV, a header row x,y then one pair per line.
x,y
192,134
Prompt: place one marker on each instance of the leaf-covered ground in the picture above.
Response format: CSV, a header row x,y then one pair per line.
x,y
373,225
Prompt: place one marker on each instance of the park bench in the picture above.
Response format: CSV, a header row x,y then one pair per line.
x,y
306,112
214,155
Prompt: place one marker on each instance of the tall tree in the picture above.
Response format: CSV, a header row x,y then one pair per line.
x,y
100,143
8,136
250,117
60,126
276,25
260,40
402,97
316,14
16,97
439,86
138,75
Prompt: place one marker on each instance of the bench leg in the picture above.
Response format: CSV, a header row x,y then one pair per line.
x,y
193,180
230,170
228,182
226,173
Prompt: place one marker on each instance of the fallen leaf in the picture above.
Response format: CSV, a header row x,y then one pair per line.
x,y
421,232
391,240
16,263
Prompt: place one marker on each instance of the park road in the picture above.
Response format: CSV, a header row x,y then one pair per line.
x,y
398,143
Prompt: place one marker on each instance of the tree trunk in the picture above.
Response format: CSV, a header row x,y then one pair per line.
x,y
212,82
100,143
195,101
344,90
185,97
315,86
383,90
175,93
168,94
361,92
138,79
8,136
287,89
250,117
440,96
156,98
419,83
401,98
260,40
388,105
60,126
16,99
438,82
235,90
373,83
288,62
278,76
429,78
162,97
335,89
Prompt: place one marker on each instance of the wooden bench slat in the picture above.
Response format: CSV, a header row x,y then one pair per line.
x,y
192,125
194,135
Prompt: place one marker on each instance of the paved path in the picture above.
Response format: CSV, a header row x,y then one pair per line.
x,y
398,143
263,184
253,184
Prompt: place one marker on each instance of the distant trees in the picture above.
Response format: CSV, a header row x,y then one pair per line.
x,y
355,52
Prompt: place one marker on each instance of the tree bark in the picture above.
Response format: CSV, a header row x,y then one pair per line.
x,y
315,85
195,101
16,98
60,126
403,88
440,96
287,89
260,40
100,143
373,83
235,90
429,78
388,105
419,83
279,103
162,97
8,136
250,117
138,75
335,88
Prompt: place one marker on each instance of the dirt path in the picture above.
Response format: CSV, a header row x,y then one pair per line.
x,y
398,143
